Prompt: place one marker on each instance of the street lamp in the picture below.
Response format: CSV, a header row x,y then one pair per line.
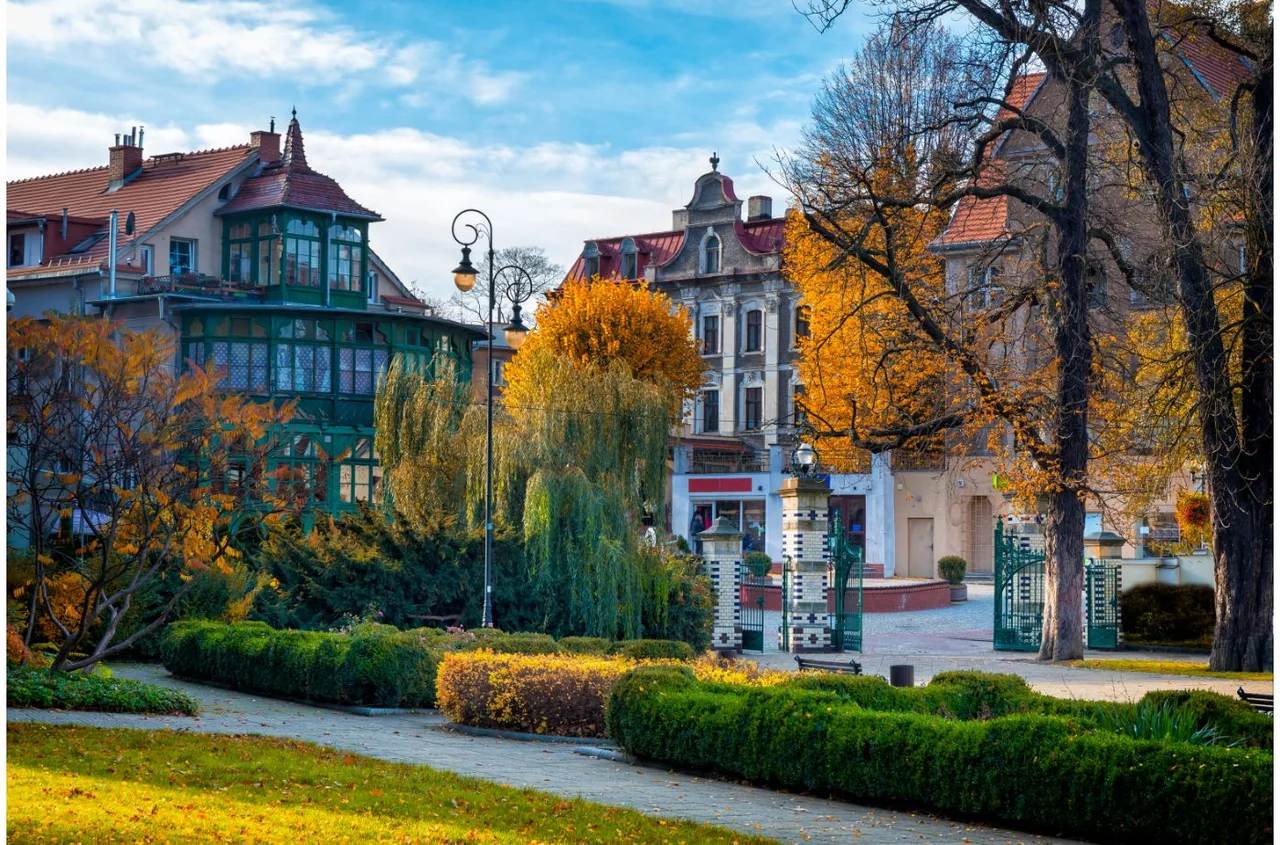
x,y
518,291
803,459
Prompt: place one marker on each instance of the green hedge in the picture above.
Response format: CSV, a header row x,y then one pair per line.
x,y
373,665
30,687
1035,771
653,649
1172,614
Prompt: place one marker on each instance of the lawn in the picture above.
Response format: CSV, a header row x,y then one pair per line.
x,y
122,785
1169,667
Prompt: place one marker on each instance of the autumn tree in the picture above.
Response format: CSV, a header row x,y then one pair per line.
x,y
1234,383
1009,358
120,474
606,320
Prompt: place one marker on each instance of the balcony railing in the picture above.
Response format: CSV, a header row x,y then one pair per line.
x,y
712,462
201,285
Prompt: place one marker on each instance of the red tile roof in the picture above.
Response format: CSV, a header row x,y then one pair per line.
x,y
1219,69
656,248
291,182
1020,94
978,219
156,192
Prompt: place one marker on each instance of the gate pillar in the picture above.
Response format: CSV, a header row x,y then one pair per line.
x,y
805,506
722,548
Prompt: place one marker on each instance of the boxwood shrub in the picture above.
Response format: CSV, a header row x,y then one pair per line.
x,y
28,686
653,650
372,665
1031,770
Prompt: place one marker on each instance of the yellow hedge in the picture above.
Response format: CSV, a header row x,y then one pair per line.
x,y
563,695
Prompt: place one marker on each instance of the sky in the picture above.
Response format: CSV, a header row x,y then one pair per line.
x,y
562,120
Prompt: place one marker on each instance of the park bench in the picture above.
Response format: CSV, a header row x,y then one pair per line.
x,y
445,621
808,664
1261,702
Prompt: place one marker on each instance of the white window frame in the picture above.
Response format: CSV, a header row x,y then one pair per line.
x,y
702,333
705,252
195,256
746,334
746,391
147,258
629,254
32,248
372,284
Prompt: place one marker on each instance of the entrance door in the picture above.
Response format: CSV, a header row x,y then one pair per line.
x,y
920,548
981,556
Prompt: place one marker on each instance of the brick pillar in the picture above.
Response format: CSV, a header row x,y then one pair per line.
x,y
804,545
722,548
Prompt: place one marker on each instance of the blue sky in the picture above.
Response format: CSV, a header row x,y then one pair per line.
x,y
562,119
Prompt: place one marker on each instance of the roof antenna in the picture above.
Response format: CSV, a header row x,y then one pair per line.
x,y
715,162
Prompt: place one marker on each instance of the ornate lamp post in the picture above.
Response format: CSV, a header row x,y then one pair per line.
x,y
803,459
517,291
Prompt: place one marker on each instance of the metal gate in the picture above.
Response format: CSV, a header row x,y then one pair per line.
x,y
1102,604
753,589
784,628
1019,593
846,616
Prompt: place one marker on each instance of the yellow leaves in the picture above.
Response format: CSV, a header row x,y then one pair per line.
x,y
602,321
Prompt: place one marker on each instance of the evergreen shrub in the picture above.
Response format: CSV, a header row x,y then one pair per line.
x,y
1034,771
1173,614
653,650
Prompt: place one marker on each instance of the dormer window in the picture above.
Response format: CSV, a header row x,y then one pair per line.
x,y
710,257
591,261
629,263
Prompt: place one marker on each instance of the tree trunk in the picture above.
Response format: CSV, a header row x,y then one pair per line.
x,y
1239,473
1063,633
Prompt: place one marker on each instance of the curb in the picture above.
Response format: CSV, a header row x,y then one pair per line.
x,y
351,709
601,744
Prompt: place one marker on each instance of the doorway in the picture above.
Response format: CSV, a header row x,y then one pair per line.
x,y
920,547
981,528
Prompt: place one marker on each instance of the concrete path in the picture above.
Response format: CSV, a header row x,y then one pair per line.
x,y
553,768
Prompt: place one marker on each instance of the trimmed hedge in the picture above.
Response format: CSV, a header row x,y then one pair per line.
x,y
31,687
653,650
1035,771
373,665
1168,613
541,694
584,645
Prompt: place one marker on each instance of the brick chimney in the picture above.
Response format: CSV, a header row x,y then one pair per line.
x,y
266,143
759,208
126,158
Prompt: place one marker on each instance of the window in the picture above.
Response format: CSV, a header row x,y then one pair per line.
x,y
302,254
360,371
629,259
182,256
711,253
985,288
147,258
798,414
710,335
1095,287
17,249
710,412
591,261
240,253
754,407
268,254
359,476
753,338
245,364
1244,261
346,258
371,285
303,472
303,368
499,373
1117,37
802,323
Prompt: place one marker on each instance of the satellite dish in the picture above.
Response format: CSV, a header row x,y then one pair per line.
x,y
130,224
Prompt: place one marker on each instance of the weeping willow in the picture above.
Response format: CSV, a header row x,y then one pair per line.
x,y
422,441
590,445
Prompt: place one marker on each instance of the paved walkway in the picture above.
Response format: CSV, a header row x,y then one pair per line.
x,y
548,767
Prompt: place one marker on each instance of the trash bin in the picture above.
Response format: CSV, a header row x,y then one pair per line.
x,y
902,676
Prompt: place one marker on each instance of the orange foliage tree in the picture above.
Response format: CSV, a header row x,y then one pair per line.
x,y
603,321
120,473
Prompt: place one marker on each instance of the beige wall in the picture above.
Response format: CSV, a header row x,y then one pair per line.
x,y
945,497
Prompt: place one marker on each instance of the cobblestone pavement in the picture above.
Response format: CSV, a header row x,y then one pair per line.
x,y
554,768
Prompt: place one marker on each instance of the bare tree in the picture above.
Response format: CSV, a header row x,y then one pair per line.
x,y
533,260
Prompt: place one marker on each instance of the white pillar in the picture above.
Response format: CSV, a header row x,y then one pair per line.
x,y
805,504
722,548
728,364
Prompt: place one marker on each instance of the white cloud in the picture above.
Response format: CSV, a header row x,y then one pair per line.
x,y
203,41
552,195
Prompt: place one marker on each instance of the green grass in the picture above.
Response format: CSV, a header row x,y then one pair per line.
x,y
27,687
147,786
1169,667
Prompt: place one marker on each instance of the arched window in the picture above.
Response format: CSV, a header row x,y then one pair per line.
x,y
710,258
591,261
629,263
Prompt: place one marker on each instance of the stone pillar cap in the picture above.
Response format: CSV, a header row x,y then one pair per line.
x,y
723,527
1104,536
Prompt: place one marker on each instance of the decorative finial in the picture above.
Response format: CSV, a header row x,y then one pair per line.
x,y
715,162
295,112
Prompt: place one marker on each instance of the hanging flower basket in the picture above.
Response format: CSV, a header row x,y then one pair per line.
x,y
1192,512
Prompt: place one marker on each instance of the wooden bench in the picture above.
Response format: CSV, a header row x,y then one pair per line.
x,y
446,621
808,664
1261,702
